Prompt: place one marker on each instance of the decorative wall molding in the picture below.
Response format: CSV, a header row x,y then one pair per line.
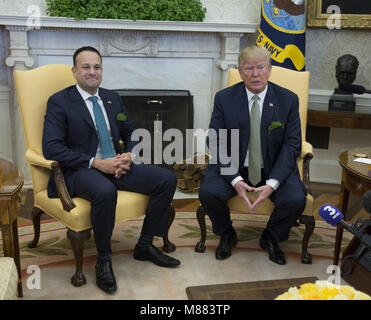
x,y
92,25
118,44
324,167
230,50
4,93
5,129
325,170
229,53
19,56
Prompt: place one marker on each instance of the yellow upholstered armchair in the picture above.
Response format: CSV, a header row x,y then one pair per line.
x,y
34,87
298,82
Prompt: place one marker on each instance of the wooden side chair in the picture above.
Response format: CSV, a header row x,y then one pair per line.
x,y
34,87
298,82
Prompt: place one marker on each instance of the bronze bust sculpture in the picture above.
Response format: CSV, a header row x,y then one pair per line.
x,y
346,72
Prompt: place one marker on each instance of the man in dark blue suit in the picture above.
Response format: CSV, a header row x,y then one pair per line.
x,y
267,118
82,128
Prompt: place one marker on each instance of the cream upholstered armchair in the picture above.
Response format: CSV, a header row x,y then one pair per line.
x,y
8,279
34,87
298,82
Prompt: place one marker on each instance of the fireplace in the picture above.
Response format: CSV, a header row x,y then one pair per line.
x,y
174,108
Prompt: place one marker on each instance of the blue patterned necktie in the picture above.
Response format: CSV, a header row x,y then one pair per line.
x,y
254,144
102,129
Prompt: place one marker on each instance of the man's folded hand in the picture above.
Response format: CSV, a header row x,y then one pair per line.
x,y
241,187
124,165
263,193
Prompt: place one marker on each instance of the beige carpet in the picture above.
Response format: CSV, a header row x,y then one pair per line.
x,y
55,247
143,280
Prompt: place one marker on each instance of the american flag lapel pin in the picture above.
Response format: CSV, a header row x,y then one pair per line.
x,y
270,104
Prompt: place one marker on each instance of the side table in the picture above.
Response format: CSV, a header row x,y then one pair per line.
x,y
354,179
255,290
11,183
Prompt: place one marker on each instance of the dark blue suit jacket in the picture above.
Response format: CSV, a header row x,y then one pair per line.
x,y
280,148
70,136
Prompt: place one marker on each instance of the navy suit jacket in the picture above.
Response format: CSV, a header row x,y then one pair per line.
x,y
280,148
70,136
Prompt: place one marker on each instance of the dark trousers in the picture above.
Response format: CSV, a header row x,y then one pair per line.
x,y
289,202
101,190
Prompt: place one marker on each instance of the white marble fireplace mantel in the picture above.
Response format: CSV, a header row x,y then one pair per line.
x,y
117,24
19,26
192,56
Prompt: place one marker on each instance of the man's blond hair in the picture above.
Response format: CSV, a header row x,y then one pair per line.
x,y
253,53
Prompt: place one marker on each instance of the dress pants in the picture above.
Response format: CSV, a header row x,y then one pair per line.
x,y
289,202
101,190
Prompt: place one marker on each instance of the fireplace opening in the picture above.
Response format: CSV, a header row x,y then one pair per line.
x,y
174,108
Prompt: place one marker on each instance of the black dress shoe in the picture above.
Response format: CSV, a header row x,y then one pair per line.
x,y
156,256
224,250
275,253
105,277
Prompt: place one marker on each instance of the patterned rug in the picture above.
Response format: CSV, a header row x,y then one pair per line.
x,y
54,247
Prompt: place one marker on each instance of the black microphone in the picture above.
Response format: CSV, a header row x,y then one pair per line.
x,y
353,88
366,201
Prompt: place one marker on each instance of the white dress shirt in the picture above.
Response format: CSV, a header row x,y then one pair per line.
x,y
261,96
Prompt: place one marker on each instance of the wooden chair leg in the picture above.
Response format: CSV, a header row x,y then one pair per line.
x,y
168,246
200,246
36,215
309,227
77,242
17,258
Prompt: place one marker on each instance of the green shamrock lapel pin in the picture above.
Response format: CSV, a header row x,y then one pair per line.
x,y
120,117
275,125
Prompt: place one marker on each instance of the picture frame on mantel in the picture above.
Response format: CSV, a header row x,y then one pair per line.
x,y
355,14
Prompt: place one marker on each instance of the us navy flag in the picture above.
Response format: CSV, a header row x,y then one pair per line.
x,y
282,32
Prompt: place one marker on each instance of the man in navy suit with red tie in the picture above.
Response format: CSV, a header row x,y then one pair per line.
x,y
82,133
267,118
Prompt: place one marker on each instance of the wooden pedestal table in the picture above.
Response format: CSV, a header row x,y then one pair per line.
x,y
355,179
11,183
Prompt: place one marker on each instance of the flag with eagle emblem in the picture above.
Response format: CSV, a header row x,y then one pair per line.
x,y
282,32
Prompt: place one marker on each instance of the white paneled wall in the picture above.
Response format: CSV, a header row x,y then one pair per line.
x,y
5,127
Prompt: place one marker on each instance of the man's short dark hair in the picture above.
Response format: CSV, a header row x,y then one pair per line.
x,y
86,48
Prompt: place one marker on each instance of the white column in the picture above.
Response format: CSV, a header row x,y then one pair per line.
x,y
19,59
229,54
5,129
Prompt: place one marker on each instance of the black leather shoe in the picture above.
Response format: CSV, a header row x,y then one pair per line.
x,y
105,277
224,250
275,253
156,256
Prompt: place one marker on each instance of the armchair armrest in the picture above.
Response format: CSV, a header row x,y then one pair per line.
x,y
38,160
306,155
306,149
